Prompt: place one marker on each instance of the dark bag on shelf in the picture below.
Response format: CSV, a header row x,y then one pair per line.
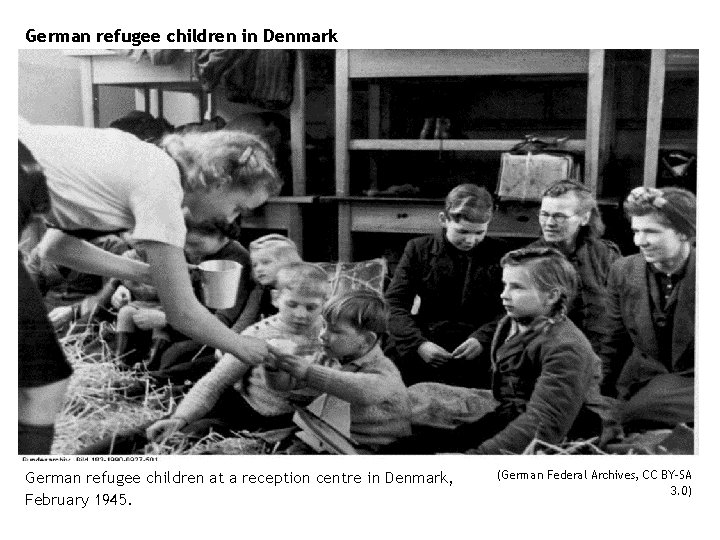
x,y
531,166
677,168
263,77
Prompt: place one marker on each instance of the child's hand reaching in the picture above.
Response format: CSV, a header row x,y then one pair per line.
x,y
469,349
297,366
434,354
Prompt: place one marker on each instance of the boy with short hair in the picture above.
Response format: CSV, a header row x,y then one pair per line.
x,y
457,277
229,397
353,368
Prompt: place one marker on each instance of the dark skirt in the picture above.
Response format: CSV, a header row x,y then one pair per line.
x,y
41,360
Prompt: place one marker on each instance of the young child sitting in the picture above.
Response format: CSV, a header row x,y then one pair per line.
x,y
235,395
456,275
352,367
267,254
544,371
139,308
186,359
139,312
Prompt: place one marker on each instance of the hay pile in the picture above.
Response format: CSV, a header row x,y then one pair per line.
x,y
98,406
538,447
679,441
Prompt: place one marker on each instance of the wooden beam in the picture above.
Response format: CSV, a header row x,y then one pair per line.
x,y
372,63
656,93
297,127
342,154
461,145
345,244
88,94
596,71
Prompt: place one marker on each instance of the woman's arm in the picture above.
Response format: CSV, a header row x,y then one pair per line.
x,y
66,250
186,314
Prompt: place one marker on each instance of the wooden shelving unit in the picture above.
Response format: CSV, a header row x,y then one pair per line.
x,y
357,214
594,124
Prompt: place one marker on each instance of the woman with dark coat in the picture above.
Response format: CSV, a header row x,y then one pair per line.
x,y
648,350
571,223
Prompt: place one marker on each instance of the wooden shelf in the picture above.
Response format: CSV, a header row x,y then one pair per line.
x,y
376,66
682,60
688,145
377,63
462,145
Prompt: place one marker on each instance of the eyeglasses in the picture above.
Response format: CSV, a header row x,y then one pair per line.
x,y
557,218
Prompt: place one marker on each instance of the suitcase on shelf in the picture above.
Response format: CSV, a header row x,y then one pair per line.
x,y
534,165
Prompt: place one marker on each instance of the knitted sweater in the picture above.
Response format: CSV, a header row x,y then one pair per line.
x,y
231,372
379,401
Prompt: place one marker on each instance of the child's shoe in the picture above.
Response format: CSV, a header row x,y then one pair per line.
x,y
159,346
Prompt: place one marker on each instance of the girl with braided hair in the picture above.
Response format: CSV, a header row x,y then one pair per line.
x,y
102,180
545,375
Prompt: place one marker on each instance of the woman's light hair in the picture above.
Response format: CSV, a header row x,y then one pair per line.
x,y
549,270
216,158
586,200
364,310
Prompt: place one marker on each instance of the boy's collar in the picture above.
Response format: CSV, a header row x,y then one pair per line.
x,y
350,359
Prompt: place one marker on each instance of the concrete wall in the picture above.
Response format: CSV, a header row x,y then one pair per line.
x,y
49,90
49,93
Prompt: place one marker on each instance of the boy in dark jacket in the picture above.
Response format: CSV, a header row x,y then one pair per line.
x,y
456,276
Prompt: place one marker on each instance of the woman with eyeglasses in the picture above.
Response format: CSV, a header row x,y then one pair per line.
x,y
571,223
648,352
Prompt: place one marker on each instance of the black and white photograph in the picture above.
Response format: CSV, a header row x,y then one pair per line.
x,y
363,270
357,251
